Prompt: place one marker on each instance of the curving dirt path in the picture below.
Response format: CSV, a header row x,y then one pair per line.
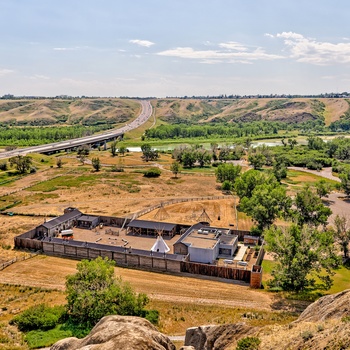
x,y
325,172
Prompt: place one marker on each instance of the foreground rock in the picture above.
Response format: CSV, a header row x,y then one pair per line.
x,y
119,332
333,306
217,337
324,324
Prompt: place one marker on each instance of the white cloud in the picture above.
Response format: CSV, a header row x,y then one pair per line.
x,y
144,43
64,48
39,76
232,45
309,50
228,55
75,48
269,35
289,35
5,72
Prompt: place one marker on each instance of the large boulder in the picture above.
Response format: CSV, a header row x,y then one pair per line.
x,y
119,332
217,337
328,307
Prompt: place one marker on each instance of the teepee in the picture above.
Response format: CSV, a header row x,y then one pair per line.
x,y
160,246
161,214
204,217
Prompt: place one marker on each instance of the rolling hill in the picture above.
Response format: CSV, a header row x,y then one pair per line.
x,y
291,110
114,111
70,112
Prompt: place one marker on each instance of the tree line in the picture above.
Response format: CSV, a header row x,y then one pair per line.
x,y
32,136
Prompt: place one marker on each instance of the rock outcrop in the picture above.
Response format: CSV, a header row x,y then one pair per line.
x,y
217,337
333,306
119,332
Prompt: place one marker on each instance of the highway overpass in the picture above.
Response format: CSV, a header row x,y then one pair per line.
x,y
93,140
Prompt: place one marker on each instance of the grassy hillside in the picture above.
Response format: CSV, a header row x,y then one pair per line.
x,y
294,110
90,112
86,112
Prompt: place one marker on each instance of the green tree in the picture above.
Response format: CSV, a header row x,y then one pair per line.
x,y
114,148
267,203
203,157
96,163
188,158
315,142
245,184
342,234
226,185
175,168
345,182
309,208
122,150
21,163
257,160
301,253
323,188
82,153
149,154
292,142
279,170
224,153
94,292
227,172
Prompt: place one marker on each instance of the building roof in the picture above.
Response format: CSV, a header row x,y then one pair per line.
x,y
206,237
90,218
160,246
113,248
152,225
62,219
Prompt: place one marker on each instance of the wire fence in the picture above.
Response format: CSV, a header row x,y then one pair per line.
x,y
12,261
177,200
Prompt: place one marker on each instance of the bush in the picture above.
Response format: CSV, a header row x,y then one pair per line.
x,y
38,317
3,166
248,343
151,315
152,172
226,185
116,169
307,335
39,339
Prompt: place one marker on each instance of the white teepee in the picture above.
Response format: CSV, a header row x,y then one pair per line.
x,y
160,246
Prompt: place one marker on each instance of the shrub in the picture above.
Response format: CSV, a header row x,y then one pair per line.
x,y
3,166
116,169
152,172
306,335
151,315
39,339
226,185
40,317
248,343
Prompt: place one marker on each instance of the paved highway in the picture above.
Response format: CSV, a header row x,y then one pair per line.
x,y
146,112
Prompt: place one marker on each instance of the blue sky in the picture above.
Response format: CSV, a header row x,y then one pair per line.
x,y
174,48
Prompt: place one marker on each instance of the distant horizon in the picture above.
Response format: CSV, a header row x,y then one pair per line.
x,y
343,94
174,48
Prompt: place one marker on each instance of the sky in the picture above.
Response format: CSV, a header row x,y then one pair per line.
x,y
174,47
